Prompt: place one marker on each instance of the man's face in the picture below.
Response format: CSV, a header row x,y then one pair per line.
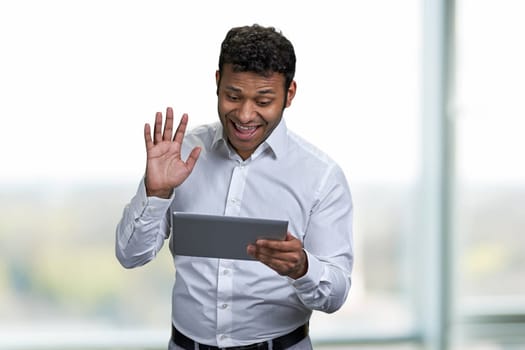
x,y
250,106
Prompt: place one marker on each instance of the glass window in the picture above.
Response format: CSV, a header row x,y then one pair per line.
x,y
490,188
371,105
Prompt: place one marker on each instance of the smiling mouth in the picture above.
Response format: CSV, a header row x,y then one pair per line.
x,y
245,128
244,132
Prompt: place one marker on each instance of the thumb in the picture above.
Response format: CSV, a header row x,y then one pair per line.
x,y
192,158
289,237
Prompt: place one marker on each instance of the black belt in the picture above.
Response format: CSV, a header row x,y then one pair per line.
x,y
280,343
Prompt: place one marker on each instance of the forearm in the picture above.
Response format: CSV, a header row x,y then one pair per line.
x,y
141,232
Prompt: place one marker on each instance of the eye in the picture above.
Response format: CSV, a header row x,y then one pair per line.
x,y
264,103
232,98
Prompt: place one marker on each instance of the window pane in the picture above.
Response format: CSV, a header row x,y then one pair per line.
x,y
490,168
375,137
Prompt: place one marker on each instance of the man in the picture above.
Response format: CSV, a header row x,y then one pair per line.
x,y
248,165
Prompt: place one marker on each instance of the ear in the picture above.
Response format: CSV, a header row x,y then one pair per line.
x,y
217,77
290,94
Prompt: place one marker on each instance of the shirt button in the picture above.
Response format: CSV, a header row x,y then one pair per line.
x,y
223,336
226,272
224,306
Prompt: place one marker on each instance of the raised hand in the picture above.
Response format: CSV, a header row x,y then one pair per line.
x,y
165,169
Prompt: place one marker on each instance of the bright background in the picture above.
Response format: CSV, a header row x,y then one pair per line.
x,y
78,80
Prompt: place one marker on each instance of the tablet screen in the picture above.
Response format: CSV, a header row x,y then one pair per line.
x,y
216,236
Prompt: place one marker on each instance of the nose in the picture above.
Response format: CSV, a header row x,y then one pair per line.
x,y
247,112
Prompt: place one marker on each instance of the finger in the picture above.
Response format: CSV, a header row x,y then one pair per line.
x,y
281,266
181,129
192,158
291,264
266,250
147,136
251,250
279,255
157,129
168,126
290,244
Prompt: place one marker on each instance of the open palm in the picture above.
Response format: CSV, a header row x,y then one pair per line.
x,y
165,168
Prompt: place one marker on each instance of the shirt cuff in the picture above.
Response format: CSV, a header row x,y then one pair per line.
x,y
312,278
144,206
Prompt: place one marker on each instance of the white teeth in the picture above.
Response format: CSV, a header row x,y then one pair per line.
x,y
241,127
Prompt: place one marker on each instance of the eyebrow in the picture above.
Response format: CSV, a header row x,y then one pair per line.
x,y
260,92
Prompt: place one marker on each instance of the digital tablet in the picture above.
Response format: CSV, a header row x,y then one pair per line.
x,y
217,236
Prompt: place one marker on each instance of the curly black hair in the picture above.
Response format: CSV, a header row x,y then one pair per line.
x,y
258,49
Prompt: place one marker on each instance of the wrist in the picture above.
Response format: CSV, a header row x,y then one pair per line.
x,y
303,269
165,194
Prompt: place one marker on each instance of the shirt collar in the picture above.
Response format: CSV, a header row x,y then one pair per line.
x,y
278,139
218,138
277,142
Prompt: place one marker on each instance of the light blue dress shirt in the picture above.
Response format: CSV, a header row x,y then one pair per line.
x,y
225,302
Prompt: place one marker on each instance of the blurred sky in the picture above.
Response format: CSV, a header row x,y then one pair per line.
x,y
80,78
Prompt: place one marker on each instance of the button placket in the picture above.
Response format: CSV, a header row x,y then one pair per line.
x,y
224,299
235,193
225,272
